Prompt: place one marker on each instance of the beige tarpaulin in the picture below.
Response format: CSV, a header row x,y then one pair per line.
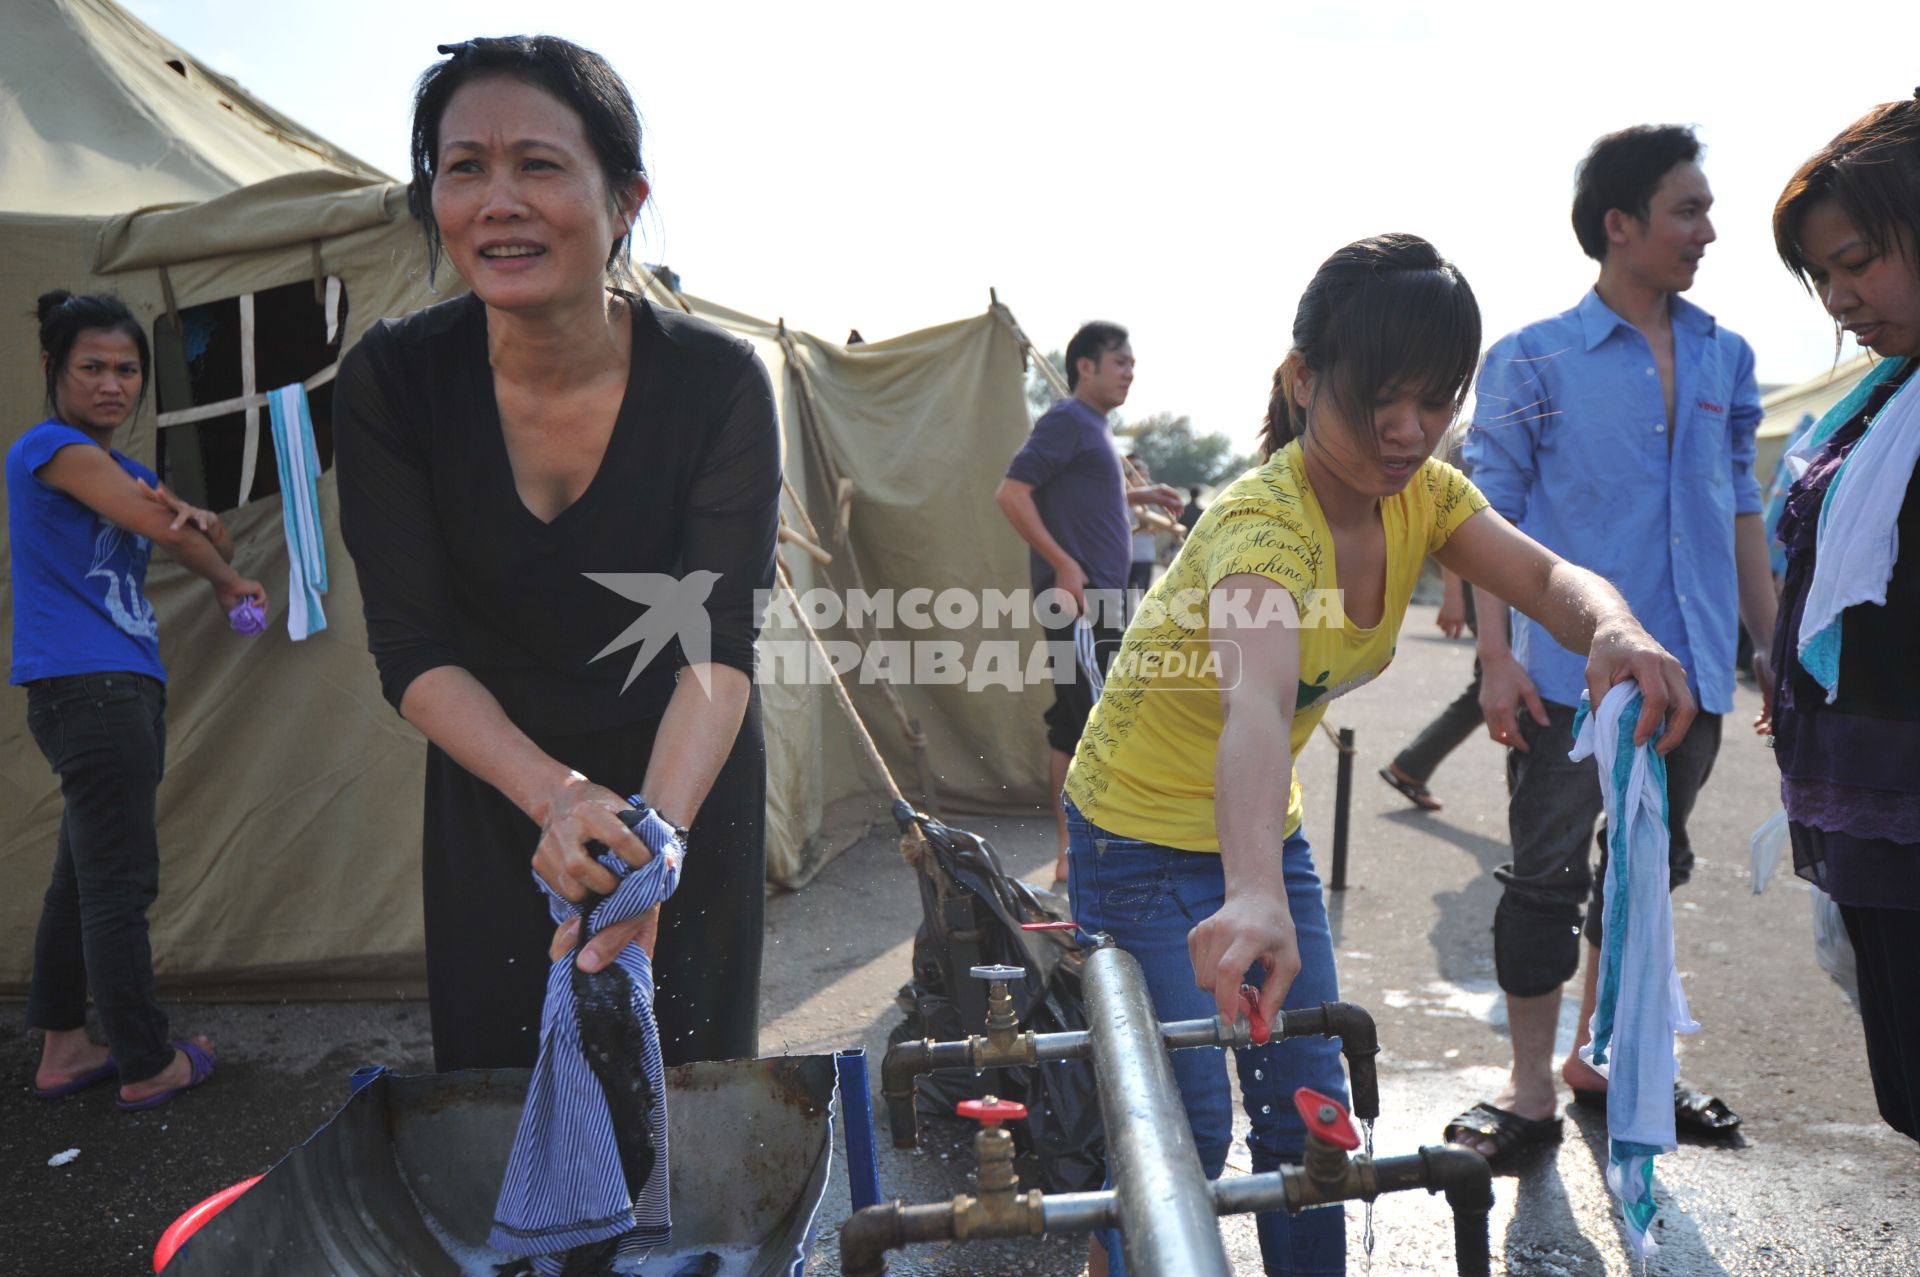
x,y
290,816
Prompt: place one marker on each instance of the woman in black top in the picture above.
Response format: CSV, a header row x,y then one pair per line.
x,y
561,502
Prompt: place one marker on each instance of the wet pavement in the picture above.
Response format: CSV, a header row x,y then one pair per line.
x,y
1815,1184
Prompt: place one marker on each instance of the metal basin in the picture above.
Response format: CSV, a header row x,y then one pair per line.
x,y
403,1179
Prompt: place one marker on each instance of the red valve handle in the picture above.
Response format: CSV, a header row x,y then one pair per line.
x,y
1326,1118
1050,926
992,1111
1259,1031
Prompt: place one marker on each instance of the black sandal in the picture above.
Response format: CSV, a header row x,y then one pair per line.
x,y
1694,1111
1411,790
1508,1132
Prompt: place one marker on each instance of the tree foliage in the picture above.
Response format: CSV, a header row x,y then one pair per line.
x,y
1175,454
1040,393
1165,441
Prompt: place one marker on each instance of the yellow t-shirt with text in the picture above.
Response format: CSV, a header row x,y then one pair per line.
x,y
1144,767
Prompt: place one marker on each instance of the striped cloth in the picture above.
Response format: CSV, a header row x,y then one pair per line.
x,y
589,1161
1641,1003
1087,655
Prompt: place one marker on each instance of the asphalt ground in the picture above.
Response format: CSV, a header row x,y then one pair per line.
x,y
1814,1184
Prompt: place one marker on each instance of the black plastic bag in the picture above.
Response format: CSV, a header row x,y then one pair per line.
x,y
971,915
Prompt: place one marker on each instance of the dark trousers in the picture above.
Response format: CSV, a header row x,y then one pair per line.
x,y
1459,720
1553,805
1889,971
488,928
105,735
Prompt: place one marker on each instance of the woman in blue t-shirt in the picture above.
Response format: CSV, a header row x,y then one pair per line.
x,y
80,520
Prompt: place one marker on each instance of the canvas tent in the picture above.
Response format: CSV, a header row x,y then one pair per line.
x,y
255,252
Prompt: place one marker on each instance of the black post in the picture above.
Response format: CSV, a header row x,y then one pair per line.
x,y
1342,799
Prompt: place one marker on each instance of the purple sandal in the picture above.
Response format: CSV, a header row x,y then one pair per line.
x,y
80,1082
202,1060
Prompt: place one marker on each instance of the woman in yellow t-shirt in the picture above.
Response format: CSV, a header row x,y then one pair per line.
x,y
1289,592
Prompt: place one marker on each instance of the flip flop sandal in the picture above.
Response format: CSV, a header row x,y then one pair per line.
x,y
73,1085
1694,1111
1508,1132
202,1061
1411,790
1698,1113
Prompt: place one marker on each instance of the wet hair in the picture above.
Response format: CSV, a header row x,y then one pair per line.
x,y
578,77
1622,170
1872,171
1091,342
64,316
1388,311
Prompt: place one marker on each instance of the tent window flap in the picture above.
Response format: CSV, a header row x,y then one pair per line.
x,y
212,373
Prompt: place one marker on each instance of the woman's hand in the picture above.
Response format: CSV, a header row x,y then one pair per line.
x,y
240,590
205,520
1624,651
608,941
1453,606
1254,925
578,813
1763,675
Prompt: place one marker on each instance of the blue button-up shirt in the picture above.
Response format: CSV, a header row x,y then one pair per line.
x,y
1570,442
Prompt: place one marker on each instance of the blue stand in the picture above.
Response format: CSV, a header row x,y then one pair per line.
x,y
856,1110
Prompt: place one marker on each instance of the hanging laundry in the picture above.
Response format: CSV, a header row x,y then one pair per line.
x,y
1641,1004
589,1160
299,465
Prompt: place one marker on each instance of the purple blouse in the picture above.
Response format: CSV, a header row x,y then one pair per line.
x,y
1850,770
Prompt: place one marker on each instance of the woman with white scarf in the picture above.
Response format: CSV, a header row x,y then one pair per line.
x,y
1845,705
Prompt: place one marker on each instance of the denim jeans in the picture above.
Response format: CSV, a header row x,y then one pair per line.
x,y
1148,897
105,736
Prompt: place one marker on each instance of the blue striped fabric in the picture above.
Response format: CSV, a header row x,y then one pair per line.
x,y
589,1160
1088,654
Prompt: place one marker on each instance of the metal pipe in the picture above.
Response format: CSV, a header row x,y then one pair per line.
x,y
1342,802
906,1061
1078,1212
1359,1042
869,1234
1460,1173
1165,1209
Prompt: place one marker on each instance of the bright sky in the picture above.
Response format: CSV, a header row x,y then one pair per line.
x,y
1179,168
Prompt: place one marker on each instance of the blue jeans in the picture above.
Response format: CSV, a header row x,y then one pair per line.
x,y
1147,897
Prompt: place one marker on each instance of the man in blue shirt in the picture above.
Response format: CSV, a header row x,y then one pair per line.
x,y
1619,434
1066,496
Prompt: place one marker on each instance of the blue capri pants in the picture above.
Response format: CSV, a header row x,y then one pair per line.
x,y
1147,897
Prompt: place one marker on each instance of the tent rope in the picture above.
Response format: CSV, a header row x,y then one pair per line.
x,y
913,843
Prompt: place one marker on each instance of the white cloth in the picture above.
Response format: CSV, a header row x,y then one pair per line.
x,y
1858,539
1641,1005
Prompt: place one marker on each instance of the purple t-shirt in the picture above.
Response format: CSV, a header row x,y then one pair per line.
x,y
1075,471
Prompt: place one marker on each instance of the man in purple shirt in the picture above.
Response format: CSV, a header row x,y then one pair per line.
x,y
1067,497
1618,434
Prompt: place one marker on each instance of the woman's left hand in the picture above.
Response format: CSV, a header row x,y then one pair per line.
x,y
608,941
1763,675
205,520
1626,651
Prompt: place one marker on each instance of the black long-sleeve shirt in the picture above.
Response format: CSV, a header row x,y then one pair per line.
x,y
455,570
